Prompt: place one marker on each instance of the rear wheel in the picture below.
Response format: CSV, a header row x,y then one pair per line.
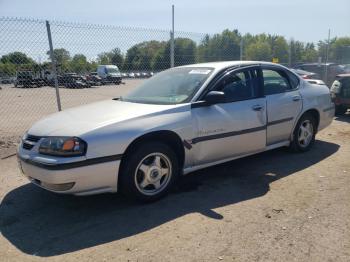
x,y
149,172
304,134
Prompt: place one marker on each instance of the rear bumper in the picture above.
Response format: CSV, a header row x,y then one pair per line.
x,y
80,180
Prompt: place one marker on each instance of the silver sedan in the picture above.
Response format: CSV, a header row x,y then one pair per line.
x,y
180,120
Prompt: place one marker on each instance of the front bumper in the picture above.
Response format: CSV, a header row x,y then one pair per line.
x,y
78,178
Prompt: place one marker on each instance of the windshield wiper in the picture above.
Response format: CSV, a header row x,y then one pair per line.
x,y
118,98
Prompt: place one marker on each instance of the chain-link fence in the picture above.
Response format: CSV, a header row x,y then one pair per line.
x,y
88,61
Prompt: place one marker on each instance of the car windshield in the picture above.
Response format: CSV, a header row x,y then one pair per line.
x,y
112,70
173,86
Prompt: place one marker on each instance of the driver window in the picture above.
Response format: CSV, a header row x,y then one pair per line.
x,y
237,87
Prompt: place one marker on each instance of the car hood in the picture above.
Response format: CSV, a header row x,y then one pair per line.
x,y
83,119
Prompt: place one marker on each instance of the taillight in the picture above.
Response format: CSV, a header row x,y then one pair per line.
x,y
305,76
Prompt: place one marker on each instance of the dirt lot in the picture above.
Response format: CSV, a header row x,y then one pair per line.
x,y
275,206
21,107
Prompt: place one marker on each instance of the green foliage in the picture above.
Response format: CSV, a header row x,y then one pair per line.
x,y
7,69
141,56
220,47
79,64
114,57
155,55
16,58
339,49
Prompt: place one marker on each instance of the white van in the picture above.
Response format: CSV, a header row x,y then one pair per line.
x,y
109,74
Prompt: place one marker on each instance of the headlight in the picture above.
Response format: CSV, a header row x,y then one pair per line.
x,y
63,146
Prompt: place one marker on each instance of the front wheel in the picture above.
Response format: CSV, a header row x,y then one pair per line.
x,y
150,172
304,134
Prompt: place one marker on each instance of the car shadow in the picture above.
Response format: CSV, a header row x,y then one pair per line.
x,y
343,118
44,224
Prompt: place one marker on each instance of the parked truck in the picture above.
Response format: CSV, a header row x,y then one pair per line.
x,y
109,74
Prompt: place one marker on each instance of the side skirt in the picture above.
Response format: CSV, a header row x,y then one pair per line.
x,y
270,147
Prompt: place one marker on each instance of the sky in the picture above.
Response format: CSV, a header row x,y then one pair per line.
x,y
304,20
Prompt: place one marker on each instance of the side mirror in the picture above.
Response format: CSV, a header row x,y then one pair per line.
x,y
215,97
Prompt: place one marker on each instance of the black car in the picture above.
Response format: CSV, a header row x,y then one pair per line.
x,y
340,92
73,80
94,79
28,79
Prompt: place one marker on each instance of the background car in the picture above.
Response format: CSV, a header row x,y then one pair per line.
x,y
346,68
94,79
320,68
6,80
340,92
315,82
109,74
131,75
305,74
28,79
73,80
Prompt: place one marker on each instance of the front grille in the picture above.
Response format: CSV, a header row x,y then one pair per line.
x,y
29,141
27,146
33,138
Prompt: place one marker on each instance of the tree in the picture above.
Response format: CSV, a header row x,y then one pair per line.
x,y
114,57
7,69
220,47
260,51
79,64
16,58
279,48
62,58
141,56
61,55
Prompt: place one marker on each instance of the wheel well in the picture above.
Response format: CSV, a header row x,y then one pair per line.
x,y
315,114
169,138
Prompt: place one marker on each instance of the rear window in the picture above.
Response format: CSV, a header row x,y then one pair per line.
x,y
345,84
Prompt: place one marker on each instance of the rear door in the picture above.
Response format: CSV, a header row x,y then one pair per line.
x,y
284,102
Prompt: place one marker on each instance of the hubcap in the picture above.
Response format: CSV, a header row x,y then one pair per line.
x,y
153,174
305,134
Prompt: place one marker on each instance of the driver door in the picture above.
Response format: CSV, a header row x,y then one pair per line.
x,y
236,127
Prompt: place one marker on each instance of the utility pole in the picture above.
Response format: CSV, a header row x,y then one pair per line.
x,y
241,50
290,53
53,63
172,40
327,56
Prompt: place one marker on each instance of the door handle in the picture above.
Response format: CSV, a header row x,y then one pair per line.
x,y
296,98
257,107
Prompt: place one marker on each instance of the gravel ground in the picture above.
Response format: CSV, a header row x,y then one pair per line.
x,y
21,107
274,206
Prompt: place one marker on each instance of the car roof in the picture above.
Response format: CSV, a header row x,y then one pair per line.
x,y
226,64
343,75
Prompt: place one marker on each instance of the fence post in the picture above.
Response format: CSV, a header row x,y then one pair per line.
x,y
53,63
327,57
241,49
172,41
290,53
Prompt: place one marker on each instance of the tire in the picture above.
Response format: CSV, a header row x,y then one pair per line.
x,y
340,110
304,134
141,173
